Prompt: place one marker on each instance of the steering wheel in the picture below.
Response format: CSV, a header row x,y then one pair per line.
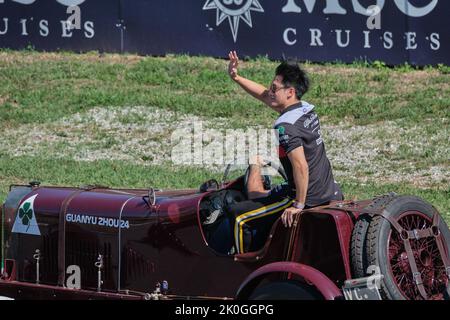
x,y
266,178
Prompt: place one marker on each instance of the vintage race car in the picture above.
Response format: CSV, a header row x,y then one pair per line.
x,y
95,242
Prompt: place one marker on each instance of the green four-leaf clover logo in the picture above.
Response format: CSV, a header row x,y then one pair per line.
x,y
26,213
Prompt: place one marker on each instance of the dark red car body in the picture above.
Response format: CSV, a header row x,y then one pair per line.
x,y
145,245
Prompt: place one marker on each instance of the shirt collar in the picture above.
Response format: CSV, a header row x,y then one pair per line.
x,y
292,107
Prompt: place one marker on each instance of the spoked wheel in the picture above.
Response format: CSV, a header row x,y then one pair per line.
x,y
427,257
376,243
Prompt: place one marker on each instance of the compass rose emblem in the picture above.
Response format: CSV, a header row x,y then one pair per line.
x,y
234,11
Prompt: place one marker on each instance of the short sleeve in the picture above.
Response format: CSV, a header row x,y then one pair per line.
x,y
289,137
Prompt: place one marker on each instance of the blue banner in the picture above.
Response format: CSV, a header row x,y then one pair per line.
x,y
393,31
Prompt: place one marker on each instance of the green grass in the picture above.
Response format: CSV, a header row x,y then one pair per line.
x,y
64,172
41,88
358,191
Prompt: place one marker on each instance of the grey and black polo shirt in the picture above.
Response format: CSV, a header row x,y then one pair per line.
x,y
298,125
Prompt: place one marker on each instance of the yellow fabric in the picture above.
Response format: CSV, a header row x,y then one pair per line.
x,y
256,214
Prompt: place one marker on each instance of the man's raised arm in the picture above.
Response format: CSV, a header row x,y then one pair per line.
x,y
256,90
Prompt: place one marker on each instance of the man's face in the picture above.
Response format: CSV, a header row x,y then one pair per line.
x,y
280,96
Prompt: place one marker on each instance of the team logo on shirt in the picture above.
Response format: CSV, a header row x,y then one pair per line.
x,y
284,140
310,120
283,137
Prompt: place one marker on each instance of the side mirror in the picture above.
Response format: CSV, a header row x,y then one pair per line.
x,y
152,196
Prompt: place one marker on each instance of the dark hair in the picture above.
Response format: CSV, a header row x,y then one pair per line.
x,y
293,76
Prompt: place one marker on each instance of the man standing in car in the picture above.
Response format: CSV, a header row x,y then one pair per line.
x,y
301,151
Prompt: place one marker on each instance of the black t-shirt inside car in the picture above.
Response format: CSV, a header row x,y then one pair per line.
x,y
298,125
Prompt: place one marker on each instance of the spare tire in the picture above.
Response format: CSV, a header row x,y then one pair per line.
x,y
383,248
358,254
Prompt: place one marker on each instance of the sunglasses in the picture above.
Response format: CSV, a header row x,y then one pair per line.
x,y
273,88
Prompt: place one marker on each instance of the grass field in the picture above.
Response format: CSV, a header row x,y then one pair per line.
x,y
70,119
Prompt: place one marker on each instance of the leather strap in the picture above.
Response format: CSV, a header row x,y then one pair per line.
x,y
417,276
440,243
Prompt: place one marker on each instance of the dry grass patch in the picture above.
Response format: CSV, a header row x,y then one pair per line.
x,y
92,57
412,81
384,152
